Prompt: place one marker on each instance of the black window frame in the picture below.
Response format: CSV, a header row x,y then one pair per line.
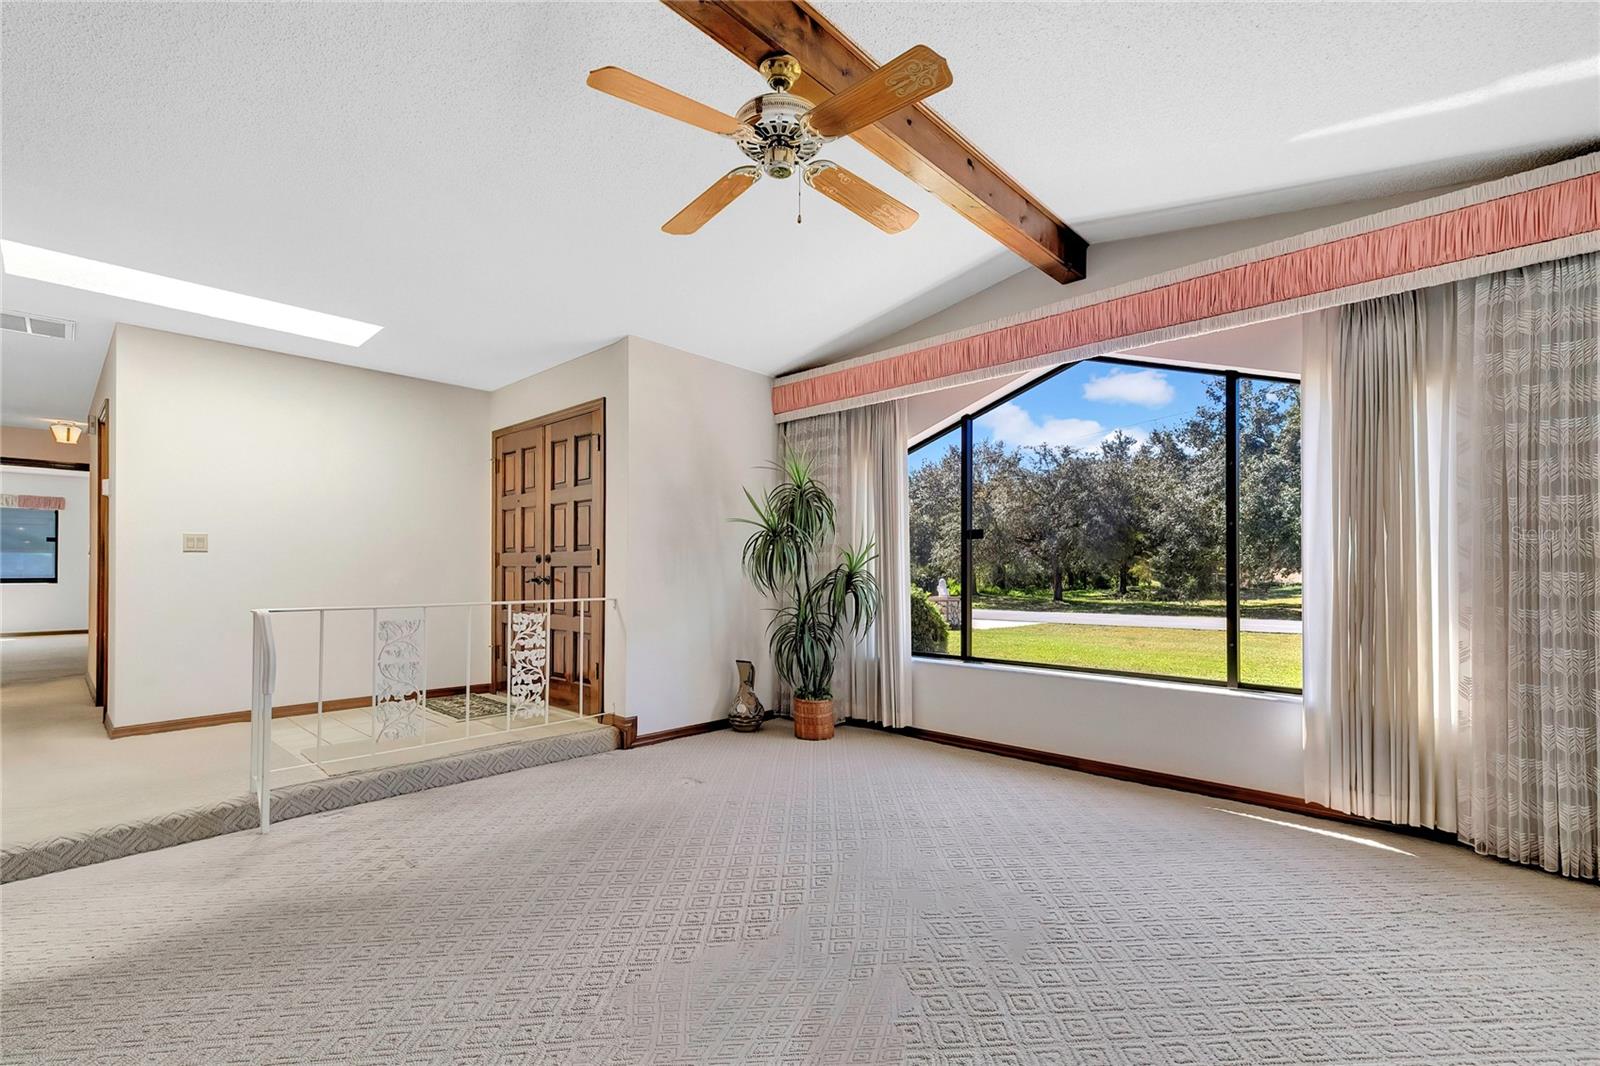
x,y
54,540
964,447
1231,380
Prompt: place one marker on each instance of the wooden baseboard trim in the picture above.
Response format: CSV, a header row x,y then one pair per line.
x,y
286,710
45,633
1175,782
681,732
627,728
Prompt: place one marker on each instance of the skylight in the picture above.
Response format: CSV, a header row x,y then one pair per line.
x,y
59,268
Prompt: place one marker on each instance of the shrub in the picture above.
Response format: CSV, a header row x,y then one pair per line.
x,y
928,629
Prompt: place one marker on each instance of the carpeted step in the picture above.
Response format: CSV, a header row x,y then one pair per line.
x,y
23,861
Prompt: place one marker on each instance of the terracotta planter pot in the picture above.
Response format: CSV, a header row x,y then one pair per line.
x,y
813,719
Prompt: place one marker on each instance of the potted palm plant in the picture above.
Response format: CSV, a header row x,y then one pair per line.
x,y
815,614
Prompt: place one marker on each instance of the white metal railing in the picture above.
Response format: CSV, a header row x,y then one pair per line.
x,y
399,700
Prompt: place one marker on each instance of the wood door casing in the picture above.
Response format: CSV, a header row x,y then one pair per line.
x,y
102,578
549,533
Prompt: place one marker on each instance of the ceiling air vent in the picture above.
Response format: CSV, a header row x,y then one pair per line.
x,y
38,326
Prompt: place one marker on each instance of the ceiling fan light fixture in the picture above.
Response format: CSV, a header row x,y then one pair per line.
x,y
780,160
65,432
781,133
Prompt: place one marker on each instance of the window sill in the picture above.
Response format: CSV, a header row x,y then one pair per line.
x,y
1266,695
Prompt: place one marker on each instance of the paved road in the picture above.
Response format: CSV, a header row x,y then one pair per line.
x,y
987,618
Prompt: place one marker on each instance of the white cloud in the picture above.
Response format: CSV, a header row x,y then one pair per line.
x,y
1015,426
1147,388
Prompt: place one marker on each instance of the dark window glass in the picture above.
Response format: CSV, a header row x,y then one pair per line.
x,y
1099,491
1100,525
935,479
1269,533
27,544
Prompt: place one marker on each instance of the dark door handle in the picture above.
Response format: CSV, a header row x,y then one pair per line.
x,y
974,534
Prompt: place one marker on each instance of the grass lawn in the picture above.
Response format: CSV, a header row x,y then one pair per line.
x,y
1281,601
1264,658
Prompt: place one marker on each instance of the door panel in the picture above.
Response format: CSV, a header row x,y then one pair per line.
x,y
520,535
559,524
583,526
583,460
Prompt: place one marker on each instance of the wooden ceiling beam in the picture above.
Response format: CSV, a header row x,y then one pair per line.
x,y
915,141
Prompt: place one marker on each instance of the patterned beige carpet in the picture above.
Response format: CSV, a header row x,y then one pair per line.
x,y
752,898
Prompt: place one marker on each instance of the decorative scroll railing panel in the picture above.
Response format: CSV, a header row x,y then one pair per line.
x,y
529,688
405,712
399,674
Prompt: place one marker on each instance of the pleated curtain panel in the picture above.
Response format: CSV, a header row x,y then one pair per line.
x,y
1452,531
860,455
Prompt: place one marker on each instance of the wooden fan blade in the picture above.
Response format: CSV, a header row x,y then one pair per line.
x,y
617,82
860,196
918,73
704,207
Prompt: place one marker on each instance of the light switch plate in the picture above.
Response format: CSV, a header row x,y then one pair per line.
x,y
196,542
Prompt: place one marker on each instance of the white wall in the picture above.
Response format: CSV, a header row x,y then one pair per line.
x,y
317,484
699,432
64,605
1236,738
1119,262
683,434
321,484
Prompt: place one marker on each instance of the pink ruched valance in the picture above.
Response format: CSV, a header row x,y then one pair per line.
x,y
1522,218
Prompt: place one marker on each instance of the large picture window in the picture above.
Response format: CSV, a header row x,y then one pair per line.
x,y
27,545
1117,517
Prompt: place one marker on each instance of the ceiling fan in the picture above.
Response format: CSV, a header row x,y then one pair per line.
x,y
782,133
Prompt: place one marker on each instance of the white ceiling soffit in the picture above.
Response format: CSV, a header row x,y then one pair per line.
x,y
441,170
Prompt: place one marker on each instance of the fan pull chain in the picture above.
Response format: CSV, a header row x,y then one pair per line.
x,y
799,184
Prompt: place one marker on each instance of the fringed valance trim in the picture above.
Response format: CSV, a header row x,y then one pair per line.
x,y
1542,214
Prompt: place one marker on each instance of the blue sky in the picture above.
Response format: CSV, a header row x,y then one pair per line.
x,y
1083,405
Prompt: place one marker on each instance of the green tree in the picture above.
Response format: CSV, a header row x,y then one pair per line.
x,y
1183,468
1269,481
935,491
1116,526
1055,498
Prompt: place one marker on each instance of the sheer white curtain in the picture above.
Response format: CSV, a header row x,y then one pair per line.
x,y
1376,391
860,455
1529,541
1452,561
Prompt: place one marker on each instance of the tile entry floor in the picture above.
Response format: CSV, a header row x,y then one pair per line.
x,y
60,773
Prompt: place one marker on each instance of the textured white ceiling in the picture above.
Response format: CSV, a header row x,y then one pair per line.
x,y
442,170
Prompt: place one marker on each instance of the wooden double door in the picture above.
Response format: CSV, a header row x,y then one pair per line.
x,y
549,536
